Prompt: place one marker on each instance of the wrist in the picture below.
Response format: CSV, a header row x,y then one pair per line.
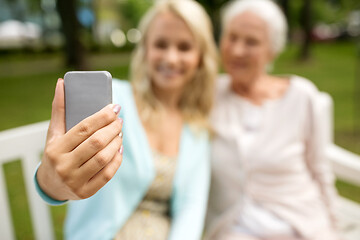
x,y
44,195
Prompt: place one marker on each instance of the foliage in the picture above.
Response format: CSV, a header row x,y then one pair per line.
x,y
326,11
132,10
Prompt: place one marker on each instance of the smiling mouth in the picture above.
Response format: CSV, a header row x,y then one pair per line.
x,y
238,64
167,72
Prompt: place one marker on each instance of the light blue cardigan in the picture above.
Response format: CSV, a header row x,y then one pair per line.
x,y
102,215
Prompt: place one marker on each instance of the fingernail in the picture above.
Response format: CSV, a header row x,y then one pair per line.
x,y
116,108
121,150
121,120
121,134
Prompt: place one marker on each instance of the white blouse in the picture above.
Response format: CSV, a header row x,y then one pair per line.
x,y
271,158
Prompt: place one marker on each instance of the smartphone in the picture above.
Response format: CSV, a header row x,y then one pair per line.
x,y
86,92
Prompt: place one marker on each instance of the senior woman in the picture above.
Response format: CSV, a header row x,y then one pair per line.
x,y
270,177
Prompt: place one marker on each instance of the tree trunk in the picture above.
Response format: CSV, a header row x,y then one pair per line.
x,y
305,22
74,49
213,8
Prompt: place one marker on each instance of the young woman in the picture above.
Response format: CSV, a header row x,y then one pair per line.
x,y
161,189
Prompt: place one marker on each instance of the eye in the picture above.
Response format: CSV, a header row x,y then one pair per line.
x,y
232,37
185,46
252,42
161,44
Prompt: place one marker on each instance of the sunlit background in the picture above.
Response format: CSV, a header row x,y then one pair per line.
x,y
42,39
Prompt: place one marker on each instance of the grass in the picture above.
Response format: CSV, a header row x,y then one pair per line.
x,y
27,85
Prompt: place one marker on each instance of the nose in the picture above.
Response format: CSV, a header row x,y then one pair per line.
x,y
238,49
172,55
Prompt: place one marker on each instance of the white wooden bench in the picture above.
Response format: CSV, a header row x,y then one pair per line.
x,y
346,166
26,143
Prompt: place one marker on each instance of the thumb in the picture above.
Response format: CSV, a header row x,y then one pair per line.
x,y
57,122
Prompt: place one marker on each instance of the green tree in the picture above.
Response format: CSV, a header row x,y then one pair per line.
x,y
132,10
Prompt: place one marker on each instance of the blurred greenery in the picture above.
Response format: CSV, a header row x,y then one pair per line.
x,y
27,84
131,12
326,11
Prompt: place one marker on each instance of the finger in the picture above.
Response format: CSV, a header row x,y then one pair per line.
x,y
90,168
57,122
87,127
97,142
104,176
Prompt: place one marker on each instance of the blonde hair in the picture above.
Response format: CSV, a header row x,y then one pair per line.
x,y
196,100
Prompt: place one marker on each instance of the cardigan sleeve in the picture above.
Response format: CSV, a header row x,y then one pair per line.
x,y
319,138
189,200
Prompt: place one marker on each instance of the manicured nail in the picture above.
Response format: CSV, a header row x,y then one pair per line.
x,y
121,134
121,120
116,109
121,150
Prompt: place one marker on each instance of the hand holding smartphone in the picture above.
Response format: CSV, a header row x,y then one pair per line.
x,y
95,153
86,92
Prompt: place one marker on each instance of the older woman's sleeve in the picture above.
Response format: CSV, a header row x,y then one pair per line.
x,y
320,131
189,200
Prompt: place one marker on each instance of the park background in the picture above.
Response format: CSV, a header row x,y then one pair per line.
x,y
40,40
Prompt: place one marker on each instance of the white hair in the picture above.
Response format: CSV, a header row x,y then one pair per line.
x,y
268,11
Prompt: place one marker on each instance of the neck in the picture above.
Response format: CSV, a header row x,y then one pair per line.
x,y
169,99
255,90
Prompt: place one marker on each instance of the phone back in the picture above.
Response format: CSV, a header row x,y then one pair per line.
x,y
86,92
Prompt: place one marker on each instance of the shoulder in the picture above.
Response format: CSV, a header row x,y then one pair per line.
x,y
123,95
222,84
304,86
121,90
320,103
120,85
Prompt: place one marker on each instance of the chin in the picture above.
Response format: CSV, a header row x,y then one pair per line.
x,y
169,85
241,78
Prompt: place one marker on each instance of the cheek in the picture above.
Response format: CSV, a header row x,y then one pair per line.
x,y
151,56
224,49
261,59
193,60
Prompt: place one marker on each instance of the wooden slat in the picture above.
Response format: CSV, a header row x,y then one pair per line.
x,y
345,164
40,215
14,143
6,226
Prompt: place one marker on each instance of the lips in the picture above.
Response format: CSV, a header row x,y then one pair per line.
x,y
169,72
238,64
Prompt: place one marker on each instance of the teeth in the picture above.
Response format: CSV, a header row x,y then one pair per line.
x,y
168,71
